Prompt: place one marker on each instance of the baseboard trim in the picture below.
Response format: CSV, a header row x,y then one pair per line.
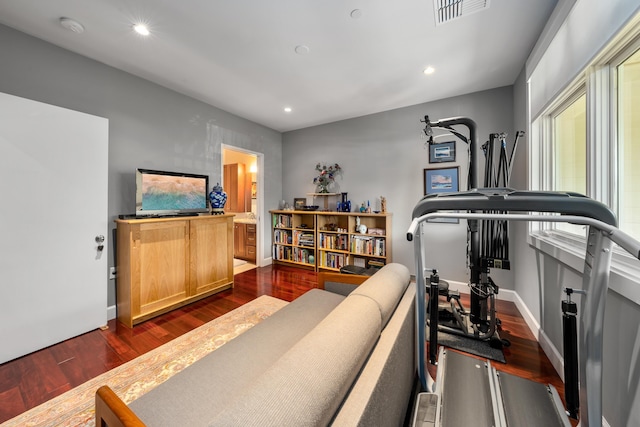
x,y
111,312
556,359
503,294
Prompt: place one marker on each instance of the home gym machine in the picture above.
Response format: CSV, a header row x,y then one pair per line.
x,y
487,245
492,399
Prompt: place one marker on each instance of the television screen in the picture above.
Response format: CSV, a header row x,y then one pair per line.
x,y
168,193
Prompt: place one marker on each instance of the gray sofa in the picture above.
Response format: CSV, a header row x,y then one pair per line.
x,y
324,359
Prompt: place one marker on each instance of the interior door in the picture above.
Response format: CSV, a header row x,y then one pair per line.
x,y
53,193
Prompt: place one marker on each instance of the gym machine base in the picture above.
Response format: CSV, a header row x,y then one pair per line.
x,y
479,395
489,393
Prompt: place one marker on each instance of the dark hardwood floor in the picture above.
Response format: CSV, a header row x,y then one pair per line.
x,y
35,378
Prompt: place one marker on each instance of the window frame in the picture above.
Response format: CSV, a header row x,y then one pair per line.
x,y
599,82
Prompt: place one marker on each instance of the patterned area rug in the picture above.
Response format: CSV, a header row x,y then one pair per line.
x,y
132,379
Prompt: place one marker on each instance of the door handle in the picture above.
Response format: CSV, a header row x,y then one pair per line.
x,y
100,241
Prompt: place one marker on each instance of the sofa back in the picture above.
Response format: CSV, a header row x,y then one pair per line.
x,y
385,288
382,392
309,383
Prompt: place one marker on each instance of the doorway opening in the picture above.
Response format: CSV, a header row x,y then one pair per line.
x,y
241,180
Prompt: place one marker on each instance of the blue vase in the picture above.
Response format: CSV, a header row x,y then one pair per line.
x,y
218,198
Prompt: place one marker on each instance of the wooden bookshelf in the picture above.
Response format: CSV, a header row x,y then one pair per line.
x,y
327,241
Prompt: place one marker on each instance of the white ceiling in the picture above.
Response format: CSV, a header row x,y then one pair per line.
x,y
239,55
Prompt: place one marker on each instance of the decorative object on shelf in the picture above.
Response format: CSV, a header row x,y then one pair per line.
x,y
326,176
383,204
345,205
218,198
299,203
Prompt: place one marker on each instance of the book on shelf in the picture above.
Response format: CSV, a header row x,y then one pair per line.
x,y
368,245
334,241
282,236
375,263
282,253
301,255
303,238
282,221
332,260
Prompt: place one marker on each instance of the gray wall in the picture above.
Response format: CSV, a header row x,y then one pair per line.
x,y
149,126
384,155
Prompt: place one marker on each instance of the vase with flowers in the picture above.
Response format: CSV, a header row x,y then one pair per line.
x,y
326,176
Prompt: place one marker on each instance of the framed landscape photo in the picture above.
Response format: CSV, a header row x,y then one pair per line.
x,y
441,180
442,152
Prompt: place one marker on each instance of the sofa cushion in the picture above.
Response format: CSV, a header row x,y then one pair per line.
x,y
194,396
386,287
307,385
381,394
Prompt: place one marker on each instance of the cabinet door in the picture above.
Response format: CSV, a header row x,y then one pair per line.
x,y
238,240
250,242
160,269
237,185
211,242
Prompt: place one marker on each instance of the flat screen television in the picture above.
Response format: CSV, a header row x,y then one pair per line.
x,y
170,193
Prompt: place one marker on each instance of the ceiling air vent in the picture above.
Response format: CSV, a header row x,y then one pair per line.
x,y
448,10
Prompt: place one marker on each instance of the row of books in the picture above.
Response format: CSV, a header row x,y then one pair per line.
x,y
282,236
303,238
368,245
332,260
288,253
282,221
334,241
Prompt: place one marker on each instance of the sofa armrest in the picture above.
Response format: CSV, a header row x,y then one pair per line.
x,y
339,283
113,412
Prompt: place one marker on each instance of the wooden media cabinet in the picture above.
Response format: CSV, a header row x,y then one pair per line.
x,y
165,263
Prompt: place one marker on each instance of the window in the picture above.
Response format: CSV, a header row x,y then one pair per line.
x,y
569,142
588,141
576,150
628,130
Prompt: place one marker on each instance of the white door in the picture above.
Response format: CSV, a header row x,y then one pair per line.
x,y
53,205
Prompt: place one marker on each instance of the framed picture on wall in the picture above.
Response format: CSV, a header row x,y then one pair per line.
x,y
441,180
442,152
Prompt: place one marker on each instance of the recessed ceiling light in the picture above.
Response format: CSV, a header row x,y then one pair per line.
x,y
287,109
72,25
302,49
429,70
356,13
141,29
